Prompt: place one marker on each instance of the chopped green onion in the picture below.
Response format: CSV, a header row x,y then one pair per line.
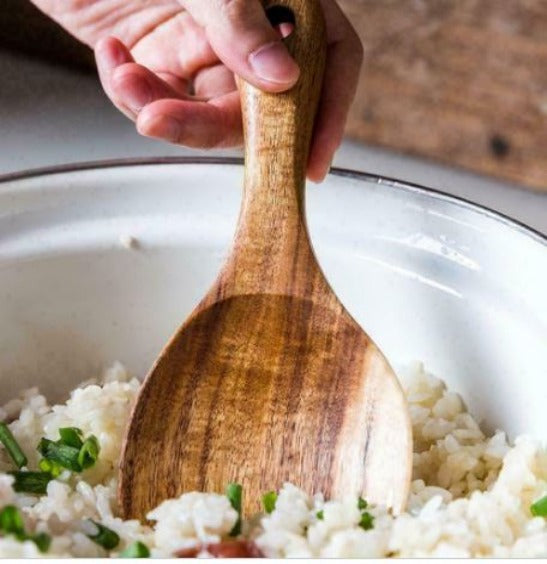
x,y
42,541
136,550
51,467
11,523
320,515
367,521
64,455
104,537
362,504
71,436
89,452
70,451
539,507
234,493
31,482
43,446
269,499
12,446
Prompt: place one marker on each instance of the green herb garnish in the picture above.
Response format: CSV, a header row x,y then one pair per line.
x,y
51,467
367,521
89,452
136,550
71,436
104,537
31,482
234,493
70,451
64,455
320,515
269,499
11,523
42,541
539,507
12,446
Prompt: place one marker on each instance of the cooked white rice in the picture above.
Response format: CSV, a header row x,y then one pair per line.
x,y
470,496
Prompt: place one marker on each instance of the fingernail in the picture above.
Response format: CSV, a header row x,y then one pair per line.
x,y
273,63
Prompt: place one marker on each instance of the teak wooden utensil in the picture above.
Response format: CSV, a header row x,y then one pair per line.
x,y
270,379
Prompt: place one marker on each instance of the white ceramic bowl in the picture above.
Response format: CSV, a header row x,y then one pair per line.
x,y
430,277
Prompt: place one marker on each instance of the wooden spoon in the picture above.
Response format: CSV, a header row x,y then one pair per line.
x,y
270,379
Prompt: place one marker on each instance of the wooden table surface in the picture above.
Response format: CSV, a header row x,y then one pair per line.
x,y
463,82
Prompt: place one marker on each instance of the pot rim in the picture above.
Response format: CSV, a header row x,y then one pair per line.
x,y
388,182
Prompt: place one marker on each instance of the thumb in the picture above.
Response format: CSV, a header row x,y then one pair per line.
x,y
241,35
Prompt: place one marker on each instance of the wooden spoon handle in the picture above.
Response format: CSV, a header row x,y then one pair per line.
x,y
278,130
278,127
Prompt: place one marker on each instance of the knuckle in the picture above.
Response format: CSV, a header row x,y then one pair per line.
x,y
234,9
240,13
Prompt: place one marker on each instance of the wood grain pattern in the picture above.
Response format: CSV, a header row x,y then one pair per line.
x,y
460,81
270,379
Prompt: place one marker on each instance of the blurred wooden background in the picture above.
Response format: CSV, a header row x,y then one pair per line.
x,y
460,81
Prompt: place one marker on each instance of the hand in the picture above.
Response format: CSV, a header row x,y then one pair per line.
x,y
171,68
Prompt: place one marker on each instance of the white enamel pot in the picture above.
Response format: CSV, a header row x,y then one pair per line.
x,y
430,277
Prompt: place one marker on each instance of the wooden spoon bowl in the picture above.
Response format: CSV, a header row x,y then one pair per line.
x,y
270,379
